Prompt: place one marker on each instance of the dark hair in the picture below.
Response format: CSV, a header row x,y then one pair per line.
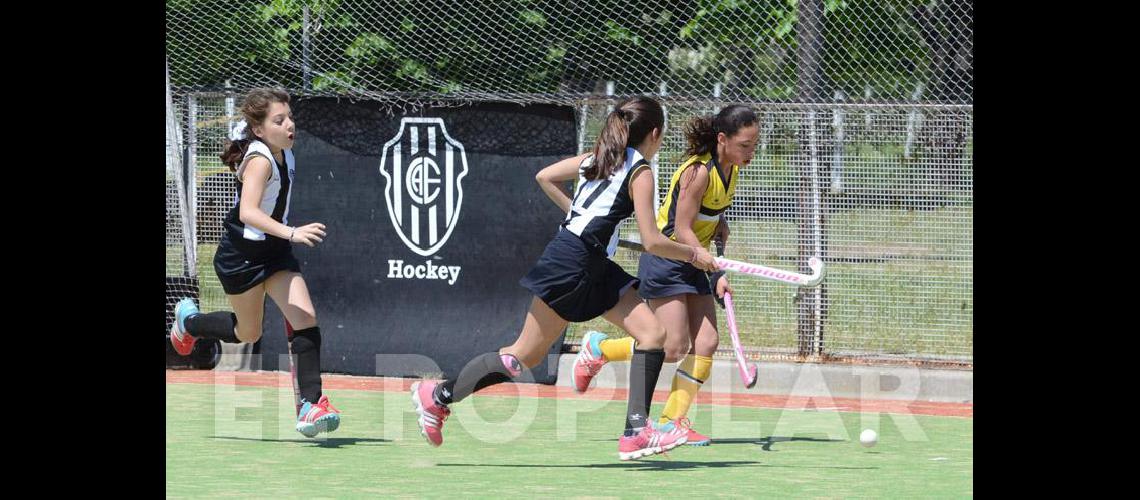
x,y
701,132
627,125
254,108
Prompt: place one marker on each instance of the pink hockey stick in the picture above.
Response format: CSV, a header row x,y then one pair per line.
x,y
748,371
758,270
761,271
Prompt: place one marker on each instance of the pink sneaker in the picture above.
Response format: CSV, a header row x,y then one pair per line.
x,y
650,441
183,342
314,419
431,414
589,360
693,437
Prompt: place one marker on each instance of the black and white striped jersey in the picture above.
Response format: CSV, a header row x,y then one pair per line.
x,y
600,205
274,201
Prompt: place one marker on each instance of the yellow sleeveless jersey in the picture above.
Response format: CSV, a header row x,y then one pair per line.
x,y
717,199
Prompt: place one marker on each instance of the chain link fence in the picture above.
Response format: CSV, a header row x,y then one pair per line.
x,y
866,154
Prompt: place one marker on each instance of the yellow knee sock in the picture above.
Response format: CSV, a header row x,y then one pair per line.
x,y
617,349
691,374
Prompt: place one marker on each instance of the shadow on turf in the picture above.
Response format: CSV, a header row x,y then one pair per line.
x,y
665,464
764,442
631,465
767,442
332,442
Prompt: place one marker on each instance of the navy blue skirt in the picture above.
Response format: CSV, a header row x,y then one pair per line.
x,y
239,272
576,282
661,277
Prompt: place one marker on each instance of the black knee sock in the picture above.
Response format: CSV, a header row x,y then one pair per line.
x,y
216,325
483,371
644,369
306,346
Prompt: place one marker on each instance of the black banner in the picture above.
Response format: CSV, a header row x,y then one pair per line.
x,y
431,220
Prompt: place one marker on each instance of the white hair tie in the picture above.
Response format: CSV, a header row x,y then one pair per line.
x,y
238,131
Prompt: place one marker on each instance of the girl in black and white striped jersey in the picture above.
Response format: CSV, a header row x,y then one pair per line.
x,y
255,255
574,280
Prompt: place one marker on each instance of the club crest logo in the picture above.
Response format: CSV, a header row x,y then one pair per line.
x,y
424,168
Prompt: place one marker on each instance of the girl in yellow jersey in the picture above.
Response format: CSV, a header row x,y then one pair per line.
x,y
679,294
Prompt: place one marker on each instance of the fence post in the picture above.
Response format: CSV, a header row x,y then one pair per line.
x,y
305,71
912,122
837,151
867,114
584,114
191,176
656,157
809,331
716,98
229,108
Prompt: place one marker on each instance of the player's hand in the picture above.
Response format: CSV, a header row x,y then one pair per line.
x,y
722,286
309,234
705,261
